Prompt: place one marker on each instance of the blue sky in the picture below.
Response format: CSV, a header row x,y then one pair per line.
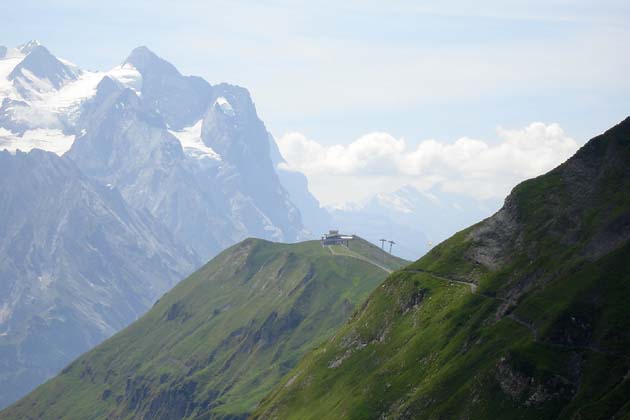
x,y
335,71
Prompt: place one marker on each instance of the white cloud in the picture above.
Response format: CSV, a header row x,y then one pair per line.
x,y
371,154
379,162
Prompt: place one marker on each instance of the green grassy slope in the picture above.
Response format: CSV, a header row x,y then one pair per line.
x,y
219,341
524,315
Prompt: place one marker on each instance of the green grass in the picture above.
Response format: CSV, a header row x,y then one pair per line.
x,y
427,348
220,340
440,358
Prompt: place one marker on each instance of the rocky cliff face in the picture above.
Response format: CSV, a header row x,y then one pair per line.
x,y
76,265
211,194
232,128
127,146
580,205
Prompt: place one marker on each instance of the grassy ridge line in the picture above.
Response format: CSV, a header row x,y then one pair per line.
x,y
220,340
546,335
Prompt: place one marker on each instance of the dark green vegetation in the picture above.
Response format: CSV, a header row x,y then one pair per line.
x,y
542,330
219,341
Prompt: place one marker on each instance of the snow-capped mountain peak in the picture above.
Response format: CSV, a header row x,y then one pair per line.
x,y
29,46
145,60
39,72
42,97
181,100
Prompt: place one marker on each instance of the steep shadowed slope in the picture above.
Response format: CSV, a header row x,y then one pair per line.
x,y
76,265
127,145
524,315
220,340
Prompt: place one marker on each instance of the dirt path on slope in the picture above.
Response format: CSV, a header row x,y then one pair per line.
x,y
473,290
530,326
473,286
352,254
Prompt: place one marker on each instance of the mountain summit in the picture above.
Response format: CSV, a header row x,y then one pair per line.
x,y
29,46
146,60
181,100
41,71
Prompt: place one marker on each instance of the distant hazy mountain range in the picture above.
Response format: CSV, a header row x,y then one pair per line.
x,y
143,174
414,220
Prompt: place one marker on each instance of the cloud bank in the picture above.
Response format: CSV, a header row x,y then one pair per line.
x,y
378,162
